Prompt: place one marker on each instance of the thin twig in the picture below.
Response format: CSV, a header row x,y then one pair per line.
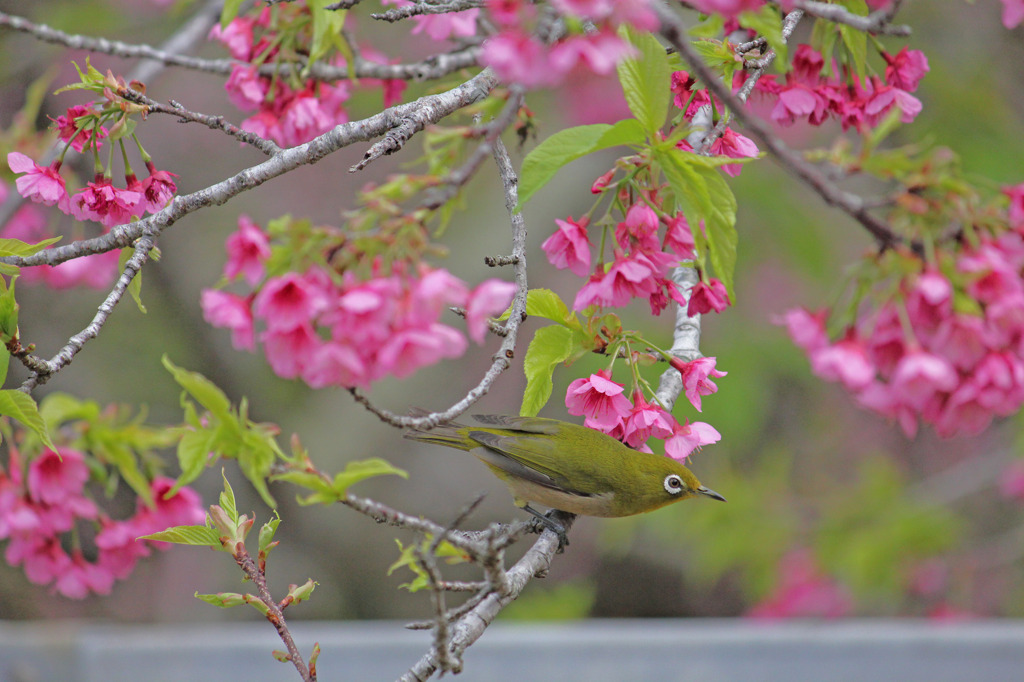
x,y
502,359
421,8
274,613
675,32
878,22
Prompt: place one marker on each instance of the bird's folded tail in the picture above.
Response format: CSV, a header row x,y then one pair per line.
x,y
450,435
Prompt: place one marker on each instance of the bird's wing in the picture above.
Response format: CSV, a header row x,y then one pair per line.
x,y
540,425
533,459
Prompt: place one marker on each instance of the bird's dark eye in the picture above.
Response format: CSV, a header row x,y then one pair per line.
x,y
673,484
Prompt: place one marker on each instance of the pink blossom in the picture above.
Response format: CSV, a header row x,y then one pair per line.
x,y
569,246
248,249
1013,12
290,301
797,101
884,98
807,329
489,299
434,291
644,421
1015,193
518,58
335,364
906,69
964,412
679,237
599,399
601,184
803,591
708,296
159,188
1000,378
444,26
237,36
639,230
697,375
845,361
416,347
68,128
106,204
364,313
41,185
303,118
81,578
1011,481
628,277
807,65
735,146
52,477
289,351
687,437
246,89
599,52
96,271
229,311
920,375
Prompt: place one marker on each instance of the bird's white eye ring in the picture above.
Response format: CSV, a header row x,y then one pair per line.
x,y
673,484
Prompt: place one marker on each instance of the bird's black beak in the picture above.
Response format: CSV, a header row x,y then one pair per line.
x,y
710,493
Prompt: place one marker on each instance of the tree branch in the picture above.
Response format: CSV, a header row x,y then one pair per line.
x,y
878,22
674,31
502,359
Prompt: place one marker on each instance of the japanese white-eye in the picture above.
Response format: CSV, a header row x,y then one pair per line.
x,y
569,467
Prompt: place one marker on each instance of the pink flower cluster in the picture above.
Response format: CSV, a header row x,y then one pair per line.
x,y
640,265
342,330
40,509
919,356
99,200
520,57
732,8
729,143
803,591
605,408
290,112
441,26
809,95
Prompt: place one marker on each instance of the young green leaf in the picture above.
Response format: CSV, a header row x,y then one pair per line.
x,y
22,407
646,80
550,346
541,164
202,389
201,536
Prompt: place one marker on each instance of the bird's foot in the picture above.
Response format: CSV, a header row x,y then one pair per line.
x,y
542,522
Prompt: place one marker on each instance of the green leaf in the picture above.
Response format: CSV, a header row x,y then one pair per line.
x,y
194,449
646,80
541,164
227,499
305,479
704,196
856,42
327,26
550,346
8,312
768,24
363,469
229,11
5,361
22,407
267,532
202,389
16,247
255,458
226,599
135,286
201,536
549,305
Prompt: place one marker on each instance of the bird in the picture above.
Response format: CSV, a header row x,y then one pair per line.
x,y
568,467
